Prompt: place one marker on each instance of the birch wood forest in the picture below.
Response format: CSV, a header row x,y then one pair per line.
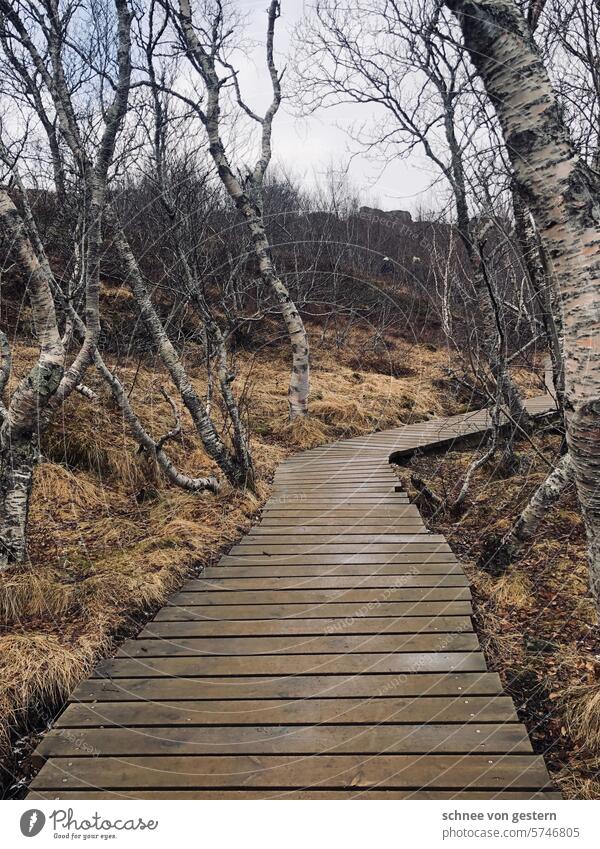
x,y
194,286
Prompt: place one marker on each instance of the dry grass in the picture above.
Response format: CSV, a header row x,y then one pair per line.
x,y
110,540
582,713
513,590
537,622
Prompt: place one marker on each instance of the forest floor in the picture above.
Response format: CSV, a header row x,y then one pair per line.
x,y
110,540
536,620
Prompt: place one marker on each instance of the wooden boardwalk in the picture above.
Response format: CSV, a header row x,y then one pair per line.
x,y
330,654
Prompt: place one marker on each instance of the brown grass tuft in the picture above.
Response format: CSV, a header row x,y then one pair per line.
x,y
582,712
303,433
513,590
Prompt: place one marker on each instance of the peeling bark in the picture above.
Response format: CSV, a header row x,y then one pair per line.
x,y
544,291
21,418
563,194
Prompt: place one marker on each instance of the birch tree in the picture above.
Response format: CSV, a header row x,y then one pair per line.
x,y
398,58
563,195
205,40
51,380
44,47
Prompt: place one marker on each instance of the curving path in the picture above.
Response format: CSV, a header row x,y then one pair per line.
x,y
330,654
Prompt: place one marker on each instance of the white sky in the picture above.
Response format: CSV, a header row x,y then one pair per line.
x,y
313,144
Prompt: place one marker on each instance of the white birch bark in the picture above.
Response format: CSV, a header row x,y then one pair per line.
x,y
49,382
21,416
544,290
213,444
537,508
563,195
203,61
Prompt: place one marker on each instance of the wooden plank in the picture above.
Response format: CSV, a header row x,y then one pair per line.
x,y
405,528
328,537
299,596
174,612
378,771
313,664
305,486
288,549
340,570
367,794
281,627
269,521
301,645
325,489
134,714
452,684
304,507
332,558
390,498
380,485
289,739
258,584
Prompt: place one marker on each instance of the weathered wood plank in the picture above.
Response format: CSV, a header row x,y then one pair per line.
x,y
281,627
307,687
257,584
324,795
314,664
403,529
355,610
289,739
300,596
290,712
393,771
341,570
330,559
242,646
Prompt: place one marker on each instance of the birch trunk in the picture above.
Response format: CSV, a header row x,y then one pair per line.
x,y
214,446
204,62
21,418
544,292
563,195
540,503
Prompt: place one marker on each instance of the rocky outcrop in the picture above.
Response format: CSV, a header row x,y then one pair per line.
x,y
395,216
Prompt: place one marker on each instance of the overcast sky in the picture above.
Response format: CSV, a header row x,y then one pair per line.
x,y
313,144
